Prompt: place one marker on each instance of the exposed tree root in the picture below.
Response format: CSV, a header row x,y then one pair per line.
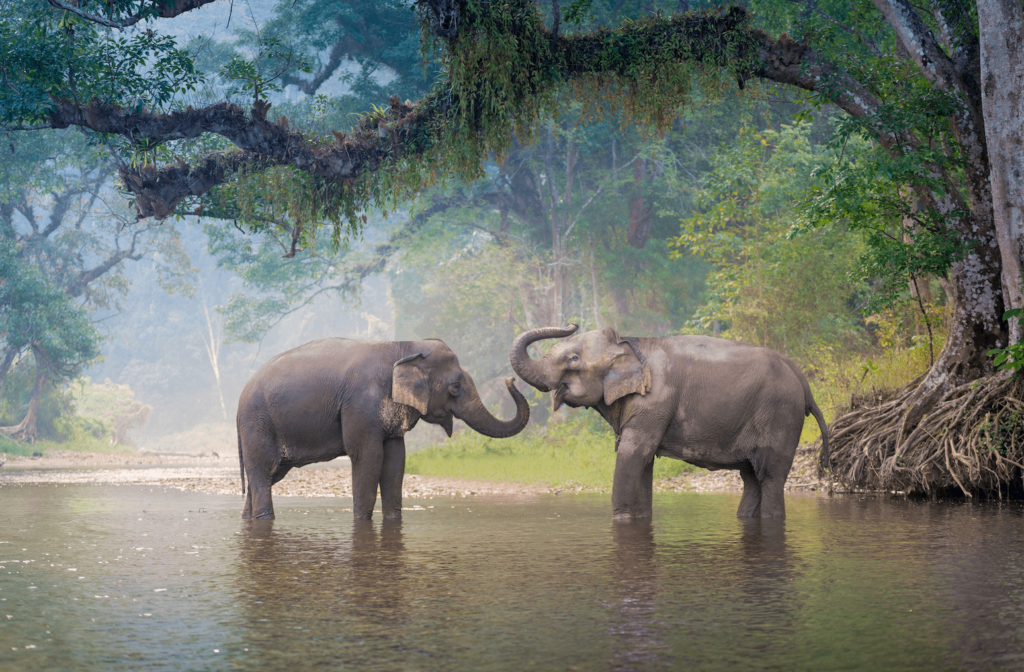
x,y
972,440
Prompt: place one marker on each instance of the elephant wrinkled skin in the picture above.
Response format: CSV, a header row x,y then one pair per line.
x,y
714,403
336,396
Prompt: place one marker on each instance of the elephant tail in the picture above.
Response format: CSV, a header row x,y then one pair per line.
x,y
241,463
810,407
813,408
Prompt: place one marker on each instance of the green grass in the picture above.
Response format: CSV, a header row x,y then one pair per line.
x,y
82,442
579,452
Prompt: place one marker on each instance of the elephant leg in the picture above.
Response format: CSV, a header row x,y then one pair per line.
x,y
633,484
773,500
391,475
260,458
259,503
750,503
365,446
247,509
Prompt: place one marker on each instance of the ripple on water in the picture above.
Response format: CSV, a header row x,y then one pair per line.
x,y
139,577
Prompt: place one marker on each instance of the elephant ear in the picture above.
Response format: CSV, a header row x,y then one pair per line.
x,y
409,384
629,372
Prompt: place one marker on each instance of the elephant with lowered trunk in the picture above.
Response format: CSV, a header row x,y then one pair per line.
x,y
336,396
714,403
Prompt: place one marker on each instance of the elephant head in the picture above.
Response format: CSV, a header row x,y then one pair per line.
x,y
431,381
587,369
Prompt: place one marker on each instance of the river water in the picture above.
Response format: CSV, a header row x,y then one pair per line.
x,y
138,577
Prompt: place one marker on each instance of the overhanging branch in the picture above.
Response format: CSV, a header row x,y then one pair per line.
x,y
718,39
165,9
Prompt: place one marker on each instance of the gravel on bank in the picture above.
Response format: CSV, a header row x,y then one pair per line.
x,y
218,474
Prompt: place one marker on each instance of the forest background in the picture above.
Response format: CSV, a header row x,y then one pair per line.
x,y
754,212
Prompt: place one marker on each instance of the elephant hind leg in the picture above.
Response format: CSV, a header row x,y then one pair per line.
x,y
260,505
247,508
750,503
773,496
261,459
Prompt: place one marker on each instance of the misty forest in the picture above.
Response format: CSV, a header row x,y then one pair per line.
x,y
522,334
184,198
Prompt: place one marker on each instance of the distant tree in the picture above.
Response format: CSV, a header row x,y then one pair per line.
x,y
64,234
39,318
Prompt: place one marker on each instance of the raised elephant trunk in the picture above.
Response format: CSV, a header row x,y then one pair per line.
x,y
473,412
529,369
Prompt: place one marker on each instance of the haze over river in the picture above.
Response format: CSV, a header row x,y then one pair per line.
x,y
140,577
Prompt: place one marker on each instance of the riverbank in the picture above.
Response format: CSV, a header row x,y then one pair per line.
x,y
212,473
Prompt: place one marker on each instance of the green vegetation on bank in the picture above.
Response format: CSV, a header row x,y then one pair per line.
x,y
579,452
78,441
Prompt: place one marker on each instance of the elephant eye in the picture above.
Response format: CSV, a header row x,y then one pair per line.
x,y
455,389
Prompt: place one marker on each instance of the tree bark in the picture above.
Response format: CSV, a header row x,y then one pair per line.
x,y
639,212
10,353
1001,27
26,429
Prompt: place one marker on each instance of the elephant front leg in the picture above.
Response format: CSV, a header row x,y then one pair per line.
x,y
364,441
391,475
633,485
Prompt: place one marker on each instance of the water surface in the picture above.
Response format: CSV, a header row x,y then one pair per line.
x,y
106,577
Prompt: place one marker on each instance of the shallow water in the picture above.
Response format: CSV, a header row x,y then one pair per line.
x,y
104,577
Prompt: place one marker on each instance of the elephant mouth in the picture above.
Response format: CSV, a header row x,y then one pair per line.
x,y
446,424
559,397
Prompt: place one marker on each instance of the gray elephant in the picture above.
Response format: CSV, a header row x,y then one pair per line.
x,y
714,403
336,396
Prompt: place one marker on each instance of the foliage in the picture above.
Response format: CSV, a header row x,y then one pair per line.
x,y
110,409
64,235
58,55
1010,358
878,194
770,286
39,316
578,452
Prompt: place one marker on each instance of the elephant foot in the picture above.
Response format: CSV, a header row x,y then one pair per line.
x,y
264,515
393,515
362,516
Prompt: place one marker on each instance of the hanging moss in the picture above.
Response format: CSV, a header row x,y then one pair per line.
x,y
506,74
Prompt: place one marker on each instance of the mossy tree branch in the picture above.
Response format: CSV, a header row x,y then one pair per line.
x,y
467,113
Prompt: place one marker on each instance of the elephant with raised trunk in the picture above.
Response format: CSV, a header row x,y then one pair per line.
x,y
714,403
336,396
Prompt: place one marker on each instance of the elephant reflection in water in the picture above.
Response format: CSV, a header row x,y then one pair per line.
x,y
637,634
334,588
719,589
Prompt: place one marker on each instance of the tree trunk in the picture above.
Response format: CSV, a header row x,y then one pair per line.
x,y
1001,26
10,352
212,342
639,212
974,328
26,429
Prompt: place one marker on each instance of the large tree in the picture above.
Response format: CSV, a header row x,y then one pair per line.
x,y
65,234
936,85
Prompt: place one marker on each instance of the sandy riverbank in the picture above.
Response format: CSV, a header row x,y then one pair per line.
x,y
218,474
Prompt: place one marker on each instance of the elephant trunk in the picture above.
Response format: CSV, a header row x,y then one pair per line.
x,y
473,412
528,368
